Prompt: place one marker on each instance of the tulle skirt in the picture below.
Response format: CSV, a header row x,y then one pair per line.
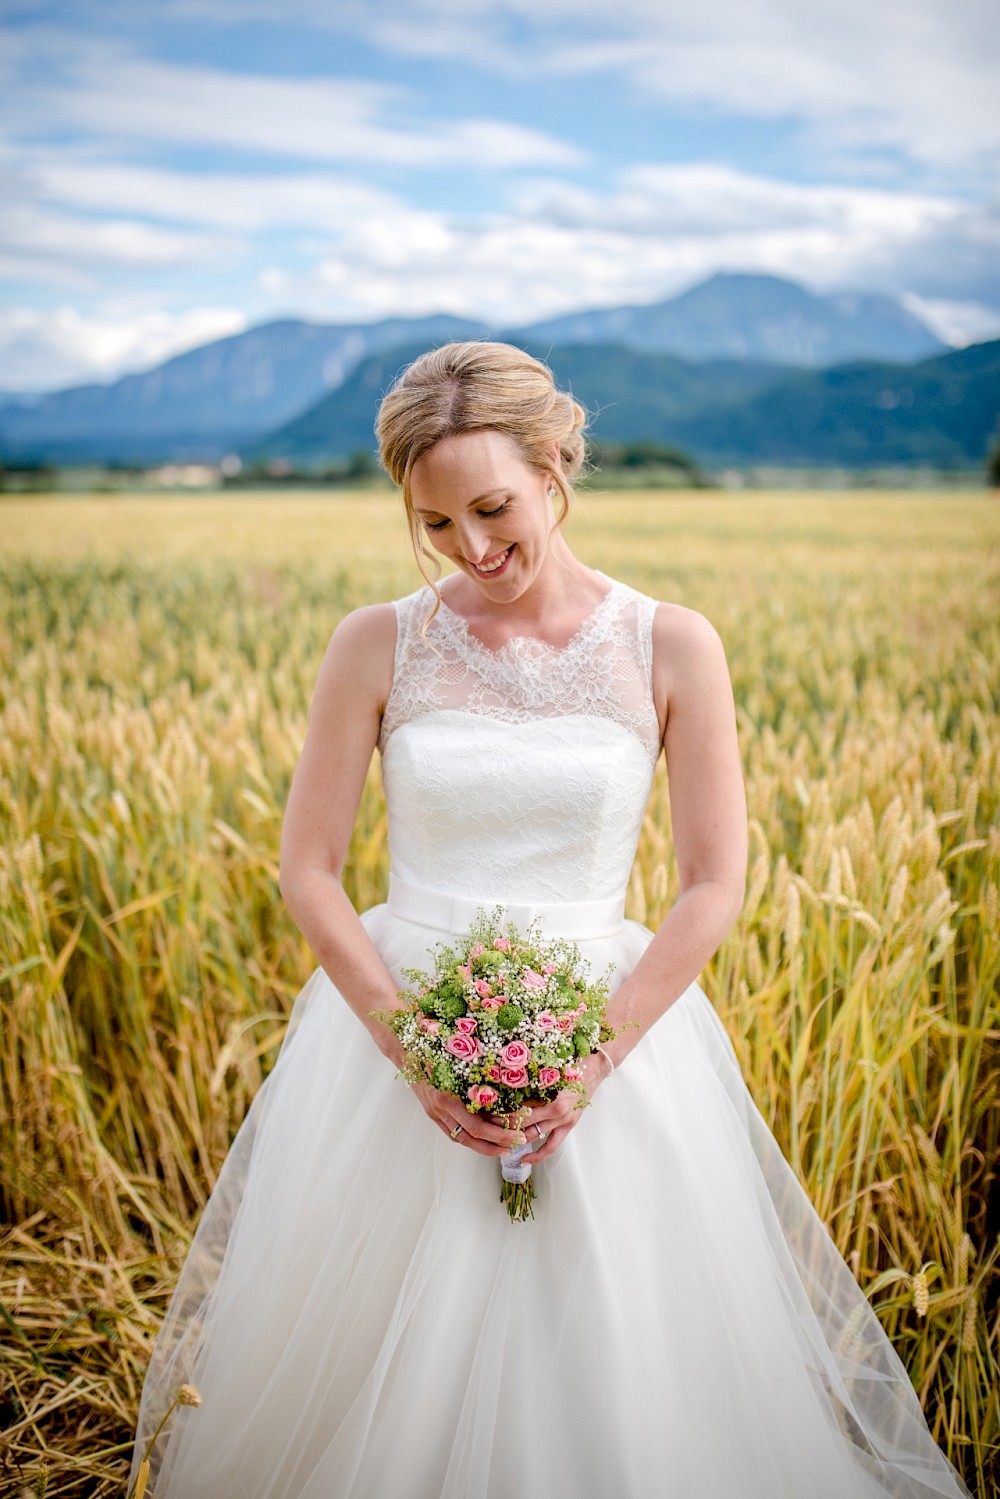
x,y
362,1319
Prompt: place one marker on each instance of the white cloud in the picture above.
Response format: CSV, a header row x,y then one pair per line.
x,y
705,198
917,77
659,226
213,200
957,323
553,249
84,213
40,243
659,230
48,349
110,93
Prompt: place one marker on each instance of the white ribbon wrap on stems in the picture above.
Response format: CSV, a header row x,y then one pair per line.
x,y
510,1162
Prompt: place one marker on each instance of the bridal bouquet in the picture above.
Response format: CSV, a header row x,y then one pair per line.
x,y
503,1020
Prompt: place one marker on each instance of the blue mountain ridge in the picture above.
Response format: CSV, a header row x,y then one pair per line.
x,y
227,394
942,411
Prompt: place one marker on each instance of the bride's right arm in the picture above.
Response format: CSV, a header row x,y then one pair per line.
x,y
344,719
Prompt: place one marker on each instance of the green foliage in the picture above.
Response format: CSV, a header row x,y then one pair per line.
x,y
643,465
993,466
443,1076
450,1006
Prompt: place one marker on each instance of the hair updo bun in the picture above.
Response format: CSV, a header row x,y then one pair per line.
x,y
474,387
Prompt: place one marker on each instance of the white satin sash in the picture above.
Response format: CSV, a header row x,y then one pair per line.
x,y
575,920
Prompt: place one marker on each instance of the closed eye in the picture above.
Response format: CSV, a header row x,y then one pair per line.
x,y
437,525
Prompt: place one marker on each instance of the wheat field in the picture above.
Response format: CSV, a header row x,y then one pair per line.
x,y
157,658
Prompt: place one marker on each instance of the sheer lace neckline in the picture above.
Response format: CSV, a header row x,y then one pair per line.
x,y
603,671
518,643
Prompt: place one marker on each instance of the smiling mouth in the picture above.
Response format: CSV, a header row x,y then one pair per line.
x,y
495,564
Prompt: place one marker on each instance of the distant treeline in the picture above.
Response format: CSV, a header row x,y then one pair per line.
x,y
643,465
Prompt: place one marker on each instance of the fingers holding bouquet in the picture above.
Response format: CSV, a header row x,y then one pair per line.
x,y
483,1133
500,1044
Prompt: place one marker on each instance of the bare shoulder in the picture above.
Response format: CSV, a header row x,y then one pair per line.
x,y
689,661
360,654
370,629
685,644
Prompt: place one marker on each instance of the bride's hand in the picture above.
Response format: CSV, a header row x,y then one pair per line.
x,y
556,1119
478,1132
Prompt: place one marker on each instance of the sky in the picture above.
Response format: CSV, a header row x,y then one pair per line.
x,y
172,171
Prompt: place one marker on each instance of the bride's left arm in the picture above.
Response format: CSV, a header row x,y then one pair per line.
x,y
708,814
694,698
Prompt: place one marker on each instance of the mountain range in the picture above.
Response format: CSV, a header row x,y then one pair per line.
x,y
741,368
209,401
763,318
941,412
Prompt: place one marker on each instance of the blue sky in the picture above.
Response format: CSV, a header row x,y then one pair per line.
x,y
180,169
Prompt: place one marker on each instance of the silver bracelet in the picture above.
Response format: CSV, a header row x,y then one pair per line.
x,y
607,1058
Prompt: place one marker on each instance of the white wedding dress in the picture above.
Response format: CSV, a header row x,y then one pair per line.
x,y
360,1316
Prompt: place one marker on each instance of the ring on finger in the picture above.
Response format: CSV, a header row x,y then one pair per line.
x,y
456,1131
540,1133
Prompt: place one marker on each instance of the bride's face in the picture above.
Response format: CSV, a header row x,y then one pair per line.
x,y
485,509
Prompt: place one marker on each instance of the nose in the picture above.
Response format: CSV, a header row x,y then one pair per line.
x,y
475,542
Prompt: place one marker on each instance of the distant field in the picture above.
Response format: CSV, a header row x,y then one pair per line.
x,y
157,657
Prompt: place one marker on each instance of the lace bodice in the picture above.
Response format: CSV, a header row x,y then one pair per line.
x,y
521,773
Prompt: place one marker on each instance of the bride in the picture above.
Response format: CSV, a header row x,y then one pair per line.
x,y
357,1312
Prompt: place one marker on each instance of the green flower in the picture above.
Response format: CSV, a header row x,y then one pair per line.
x,y
509,1015
443,1076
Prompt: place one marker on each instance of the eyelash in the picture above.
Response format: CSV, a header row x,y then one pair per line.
x,y
437,525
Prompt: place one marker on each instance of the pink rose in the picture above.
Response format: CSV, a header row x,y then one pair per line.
x,y
461,1045
514,1077
573,1074
428,1026
514,1054
545,1020
566,1022
532,980
465,969
492,1003
467,1025
549,968
548,1077
493,1073
476,951
502,944
482,1096
483,989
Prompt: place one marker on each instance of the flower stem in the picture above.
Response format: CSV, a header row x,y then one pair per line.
x,y
517,1198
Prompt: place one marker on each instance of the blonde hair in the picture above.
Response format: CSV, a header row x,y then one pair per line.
x,y
474,387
